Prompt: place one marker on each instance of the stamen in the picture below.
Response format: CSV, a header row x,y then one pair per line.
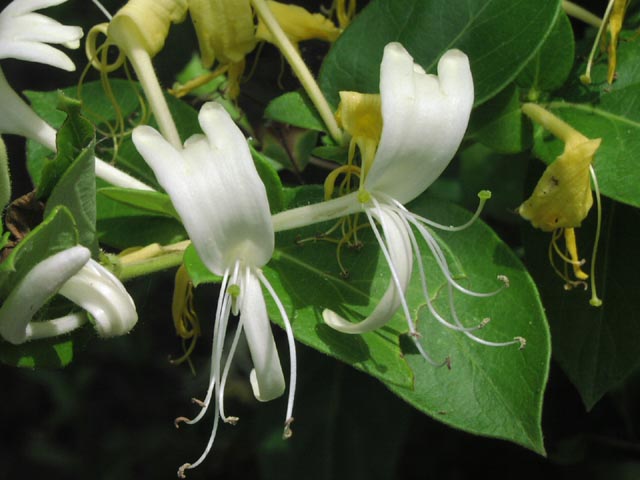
x,y
444,267
102,8
287,433
595,300
293,362
483,196
225,374
188,466
451,284
396,280
180,420
425,289
221,308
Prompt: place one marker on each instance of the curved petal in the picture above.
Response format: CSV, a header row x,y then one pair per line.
x,y
99,292
424,120
24,35
267,379
20,7
215,188
33,291
399,249
16,117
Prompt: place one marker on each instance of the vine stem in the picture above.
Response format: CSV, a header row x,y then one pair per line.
x,y
299,68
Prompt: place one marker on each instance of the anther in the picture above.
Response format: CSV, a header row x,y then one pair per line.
x,y
484,322
182,469
504,279
180,420
199,402
522,341
287,432
231,420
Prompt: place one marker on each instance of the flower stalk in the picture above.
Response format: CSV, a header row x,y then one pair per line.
x,y
299,67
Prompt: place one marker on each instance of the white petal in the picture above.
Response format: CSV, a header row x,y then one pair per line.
x,y
16,117
100,293
267,379
424,120
24,35
20,7
216,190
398,245
33,291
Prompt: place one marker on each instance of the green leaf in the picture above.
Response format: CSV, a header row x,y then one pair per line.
x,y
157,203
499,36
551,66
271,180
597,347
613,114
75,135
296,109
119,226
499,125
76,190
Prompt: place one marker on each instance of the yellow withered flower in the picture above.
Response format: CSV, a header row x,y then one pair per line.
x,y
562,198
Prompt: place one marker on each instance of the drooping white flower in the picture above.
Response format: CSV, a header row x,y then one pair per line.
x,y
72,274
406,138
25,35
223,204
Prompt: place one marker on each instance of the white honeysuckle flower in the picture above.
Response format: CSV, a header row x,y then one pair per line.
x,y
25,35
407,136
223,204
72,274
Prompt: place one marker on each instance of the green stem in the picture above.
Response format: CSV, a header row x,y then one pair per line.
x,y
150,265
576,11
299,68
